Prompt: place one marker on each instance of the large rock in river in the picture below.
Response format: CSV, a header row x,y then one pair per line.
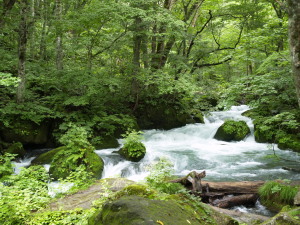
x,y
136,210
66,161
232,131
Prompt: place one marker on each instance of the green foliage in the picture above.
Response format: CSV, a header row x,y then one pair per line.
x,y
76,216
275,195
160,172
6,167
6,79
75,138
78,152
80,178
133,147
23,194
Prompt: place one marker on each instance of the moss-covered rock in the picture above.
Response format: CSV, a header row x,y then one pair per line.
x,y
26,132
65,161
232,131
16,148
47,157
288,216
198,116
289,142
136,210
133,152
275,195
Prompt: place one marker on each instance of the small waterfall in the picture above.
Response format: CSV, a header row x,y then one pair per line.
x,y
192,147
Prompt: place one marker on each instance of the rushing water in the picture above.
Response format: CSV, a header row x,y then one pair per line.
x,y
193,147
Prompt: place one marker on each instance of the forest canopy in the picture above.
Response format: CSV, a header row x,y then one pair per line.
x,y
111,66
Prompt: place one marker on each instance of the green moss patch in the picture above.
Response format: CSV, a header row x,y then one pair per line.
x,y
275,195
232,131
66,161
47,157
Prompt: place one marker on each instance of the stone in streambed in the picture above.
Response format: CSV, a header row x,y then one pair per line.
x,y
66,161
232,131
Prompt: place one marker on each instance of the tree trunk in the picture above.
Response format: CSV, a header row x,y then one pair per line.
x,y
231,201
43,46
22,47
59,45
294,36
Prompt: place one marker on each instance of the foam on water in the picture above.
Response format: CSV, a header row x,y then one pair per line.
x,y
192,147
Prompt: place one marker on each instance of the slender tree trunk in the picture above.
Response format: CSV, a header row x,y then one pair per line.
x,y
23,30
294,36
44,18
59,43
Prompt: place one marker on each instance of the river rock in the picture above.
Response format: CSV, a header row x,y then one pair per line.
x,y
232,131
47,157
66,161
287,217
297,199
84,198
136,210
134,152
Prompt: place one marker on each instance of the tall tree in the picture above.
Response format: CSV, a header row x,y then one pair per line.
x,y
22,48
294,36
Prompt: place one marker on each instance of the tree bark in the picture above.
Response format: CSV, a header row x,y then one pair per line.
x,y
294,36
59,44
231,201
22,48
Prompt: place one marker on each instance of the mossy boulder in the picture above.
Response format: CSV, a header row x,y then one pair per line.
x,y
232,131
133,152
275,195
67,160
26,132
289,142
198,116
288,216
47,157
136,210
16,148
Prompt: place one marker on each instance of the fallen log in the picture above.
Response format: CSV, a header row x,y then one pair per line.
x,y
240,187
230,201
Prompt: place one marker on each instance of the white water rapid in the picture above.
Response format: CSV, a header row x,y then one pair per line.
x,y
192,147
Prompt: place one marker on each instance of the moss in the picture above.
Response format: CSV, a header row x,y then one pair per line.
x,y
289,142
133,152
288,216
138,190
47,157
66,161
198,117
137,210
275,195
232,131
16,148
